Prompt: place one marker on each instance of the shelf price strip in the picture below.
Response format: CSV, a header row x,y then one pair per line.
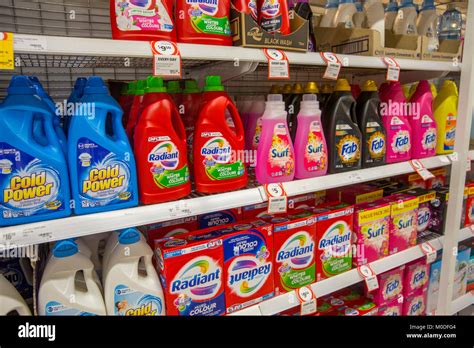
x,y
333,67
166,59
278,64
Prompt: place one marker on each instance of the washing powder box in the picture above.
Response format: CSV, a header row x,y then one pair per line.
x,y
362,193
169,228
219,218
427,203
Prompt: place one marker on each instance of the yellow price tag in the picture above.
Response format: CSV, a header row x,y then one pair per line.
x,y
6,51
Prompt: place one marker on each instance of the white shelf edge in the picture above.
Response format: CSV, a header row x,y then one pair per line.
x,y
327,286
58,45
462,302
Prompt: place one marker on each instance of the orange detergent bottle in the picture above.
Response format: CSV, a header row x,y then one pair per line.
x,y
217,148
160,147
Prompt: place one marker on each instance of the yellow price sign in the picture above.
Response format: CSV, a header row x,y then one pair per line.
x,y
6,51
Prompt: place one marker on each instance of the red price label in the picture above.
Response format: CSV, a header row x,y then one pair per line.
x,y
393,69
166,59
278,64
307,300
333,65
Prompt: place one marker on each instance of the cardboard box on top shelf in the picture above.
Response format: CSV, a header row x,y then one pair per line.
x,y
448,50
366,42
247,33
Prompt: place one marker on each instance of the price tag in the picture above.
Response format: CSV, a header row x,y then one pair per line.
x,y
307,300
421,170
278,64
333,65
8,237
429,252
6,51
369,276
277,199
393,69
166,59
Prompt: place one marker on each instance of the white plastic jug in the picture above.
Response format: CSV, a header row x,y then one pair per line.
x,y
68,286
359,17
132,286
405,23
345,14
327,20
375,14
427,24
391,12
96,244
11,300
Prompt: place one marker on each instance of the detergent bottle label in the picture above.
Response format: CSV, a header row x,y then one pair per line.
x,y
315,157
135,15
219,161
376,143
450,133
164,163
130,302
281,160
335,249
54,308
401,142
28,186
203,17
347,147
104,178
271,16
258,132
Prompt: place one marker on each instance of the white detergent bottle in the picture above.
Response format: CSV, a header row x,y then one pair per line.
x,y
345,14
132,286
391,12
68,286
327,20
375,14
11,301
96,244
427,24
405,23
359,16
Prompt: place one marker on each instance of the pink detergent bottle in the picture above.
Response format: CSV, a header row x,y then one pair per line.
x,y
394,111
310,144
422,123
254,123
275,153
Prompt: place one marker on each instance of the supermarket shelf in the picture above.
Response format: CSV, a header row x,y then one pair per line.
x,y
70,46
462,303
76,226
327,286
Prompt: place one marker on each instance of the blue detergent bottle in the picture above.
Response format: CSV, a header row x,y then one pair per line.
x,y
34,180
40,91
101,162
74,98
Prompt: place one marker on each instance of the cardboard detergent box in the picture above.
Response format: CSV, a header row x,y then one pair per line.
x,y
366,42
448,50
247,33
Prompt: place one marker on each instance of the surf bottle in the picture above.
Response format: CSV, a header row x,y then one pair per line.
x,y
422,122
254,129
310,144
293,108
160,148
247,6
217,167
69,274
341,130
11,302
135,109
43,191
394,118
391,12
330,10
101,161
405,22
273,16
189,113
445,113
148,20
204,22
374,141
275,153
126,101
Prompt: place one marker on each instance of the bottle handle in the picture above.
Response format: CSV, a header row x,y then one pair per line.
x,y
117,127
51,137
234,113
177,122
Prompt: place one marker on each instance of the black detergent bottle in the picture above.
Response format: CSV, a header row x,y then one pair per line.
x,y
374,141
342,133
324,94
287,95
293,107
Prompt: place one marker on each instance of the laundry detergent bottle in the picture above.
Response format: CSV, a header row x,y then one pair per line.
x,y
34,179
330,10
445,113
160,148
423,126
148,20
132,287
126,101
189,113
101,162
275,153
217,166
204,22
60,283
405,22
75,97
395,121
135,109
273,16
374,142
11,302
175,91
254,129
341,130
391,11
293,108
310,144
96,244
247,6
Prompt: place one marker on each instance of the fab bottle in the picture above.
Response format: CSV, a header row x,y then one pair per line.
x,y
274,16
275,153
310,143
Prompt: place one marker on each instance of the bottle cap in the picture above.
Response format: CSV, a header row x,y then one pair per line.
x,y
95,85
190,86
213,84
434,90
428,5
359,6
81,82
346,1
21,85
342,86
407,3
129,236
392,6
275,89
311,87
275,98
141,85
174,87
286,89
65,248
155,85
310,101
326,89
369,86
450,87
132,87
297,88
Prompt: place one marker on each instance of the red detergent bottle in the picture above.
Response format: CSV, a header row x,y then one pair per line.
x,y
204,22
160,148
247,6
191,101
135,109
217,167
150,20
273,16
126,99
